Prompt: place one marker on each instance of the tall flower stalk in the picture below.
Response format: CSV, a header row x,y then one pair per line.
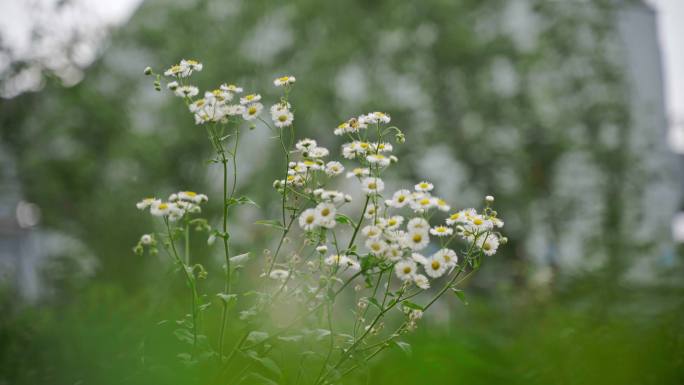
x,y
395,253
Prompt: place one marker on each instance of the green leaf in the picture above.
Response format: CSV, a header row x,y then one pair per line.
x,y
412,305
184,335
240,259
404,346
256,379
341,218
240,201
256,336
271,223
228,299
266,362
294,338
461,295
375,302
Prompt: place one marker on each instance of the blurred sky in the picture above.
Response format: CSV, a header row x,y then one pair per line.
x,y
18,17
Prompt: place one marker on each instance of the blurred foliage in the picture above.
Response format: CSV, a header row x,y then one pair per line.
x,y
527,100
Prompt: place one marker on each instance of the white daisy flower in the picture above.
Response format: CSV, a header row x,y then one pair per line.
x,y
334,168
400,199
190,196
218,96
448,256
307,219
441,231
249,99
252,111
376,246
375,117
424,186
422,202
416,239
382,147
378,159
284,81
146,239
419,258
358,172
231,88
147,202
342,261
371,231
333,196
189,66
435,267
489,244
394,222
370,211
418,224
405,270
442,205
234,109
283,118
457,217
372,185
318,152
325,215
394,252
279,274
160,209
421,281
305,144
478,224
186,91
174,70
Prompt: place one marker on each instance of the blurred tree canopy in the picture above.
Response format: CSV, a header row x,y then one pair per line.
x,y
524,99
527,100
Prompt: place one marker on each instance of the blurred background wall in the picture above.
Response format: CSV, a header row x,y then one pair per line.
x,y
556,107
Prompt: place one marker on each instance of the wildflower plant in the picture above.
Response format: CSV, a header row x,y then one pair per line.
x,y
395,257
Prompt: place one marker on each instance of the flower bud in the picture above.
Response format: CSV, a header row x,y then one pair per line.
x,y
322,249
148,70
489,198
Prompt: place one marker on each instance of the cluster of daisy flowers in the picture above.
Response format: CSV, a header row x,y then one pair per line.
x,y
220,104
175,207
398,229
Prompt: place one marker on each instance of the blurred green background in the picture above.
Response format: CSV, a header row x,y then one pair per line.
x,y
554,107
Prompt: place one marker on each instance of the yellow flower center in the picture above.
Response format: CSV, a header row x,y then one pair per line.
x,y
372,185
375,247
401,198
487,246
282,118
424,202
417,238
435,265
310,219
325,212
477,221
392,222
284,79
190,193
455,216
163,206
252,110
407,270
